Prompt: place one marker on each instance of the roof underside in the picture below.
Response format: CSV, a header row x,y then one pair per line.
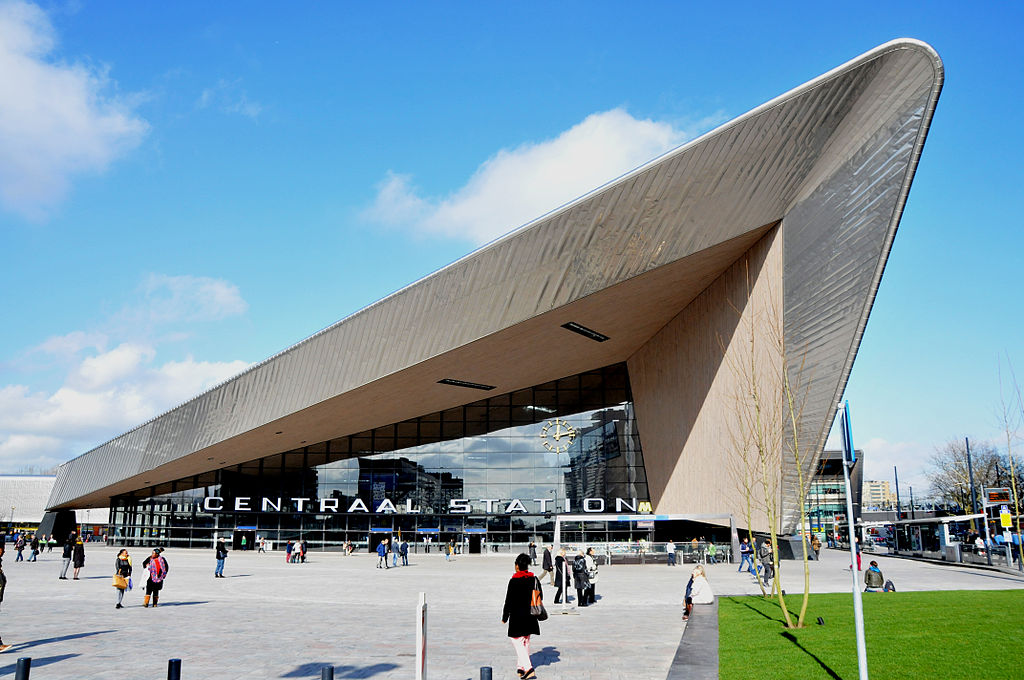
x,y
832,160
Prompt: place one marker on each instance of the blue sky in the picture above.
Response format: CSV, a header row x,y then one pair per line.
x,y
188,188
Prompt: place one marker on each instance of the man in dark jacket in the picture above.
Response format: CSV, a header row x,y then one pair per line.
x,y
69,547
222,554
546,564
562,572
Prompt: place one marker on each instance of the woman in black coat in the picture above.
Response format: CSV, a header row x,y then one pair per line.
x,y
521,623
561,571
79,557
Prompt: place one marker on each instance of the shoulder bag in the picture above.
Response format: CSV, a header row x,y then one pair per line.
x,y
536,603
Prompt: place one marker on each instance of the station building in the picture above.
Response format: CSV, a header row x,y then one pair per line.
x,y
584,365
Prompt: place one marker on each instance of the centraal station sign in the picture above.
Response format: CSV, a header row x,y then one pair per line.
x,y
492,506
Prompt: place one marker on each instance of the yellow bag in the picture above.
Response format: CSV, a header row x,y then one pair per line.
x,y
120,582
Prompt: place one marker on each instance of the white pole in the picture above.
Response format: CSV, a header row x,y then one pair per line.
x,y
421,638
858,605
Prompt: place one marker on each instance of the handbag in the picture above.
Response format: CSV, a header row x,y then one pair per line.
x,y
119,582
536,603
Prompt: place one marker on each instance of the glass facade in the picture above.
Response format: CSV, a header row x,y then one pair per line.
x,y
493,471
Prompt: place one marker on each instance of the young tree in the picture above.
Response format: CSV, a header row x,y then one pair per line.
x,y
1011,421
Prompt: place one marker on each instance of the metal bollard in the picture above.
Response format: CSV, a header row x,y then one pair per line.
x,y
24,667
174,669
485,673
327,673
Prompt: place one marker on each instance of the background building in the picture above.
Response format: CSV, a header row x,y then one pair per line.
x,y
878,495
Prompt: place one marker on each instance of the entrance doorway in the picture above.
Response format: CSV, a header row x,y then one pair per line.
x,y
250,538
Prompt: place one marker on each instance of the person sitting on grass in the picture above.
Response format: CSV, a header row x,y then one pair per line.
x,y
873,579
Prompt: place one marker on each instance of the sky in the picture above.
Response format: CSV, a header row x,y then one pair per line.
x,y
189,188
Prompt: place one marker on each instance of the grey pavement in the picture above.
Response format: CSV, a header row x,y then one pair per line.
x,y
270,619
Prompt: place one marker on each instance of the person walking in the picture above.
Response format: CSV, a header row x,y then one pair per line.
x,y
50,542
747,557
288,552
516,613
19,545
394,554
670,553
3,587
712,551
547,565
403,550
221,554
69,548
533,553
263,546
591,575
122,572
765,553
579,575
34,546
382,554
303,547
78,557
158,568
244,542
562,572
816,545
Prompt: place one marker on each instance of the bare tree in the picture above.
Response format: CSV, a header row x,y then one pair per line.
x,y
950,478
1011,420
768,409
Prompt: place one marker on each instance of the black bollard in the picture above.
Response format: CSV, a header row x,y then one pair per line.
x,y
174,669
485,673
24,667
327,673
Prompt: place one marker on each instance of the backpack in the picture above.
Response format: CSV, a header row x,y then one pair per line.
x,y
889,587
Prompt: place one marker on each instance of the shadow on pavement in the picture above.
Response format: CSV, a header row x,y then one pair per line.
x,y
62,638
181,604
313,670
546,657
36,663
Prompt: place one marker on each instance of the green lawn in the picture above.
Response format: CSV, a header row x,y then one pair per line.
x,y
952,634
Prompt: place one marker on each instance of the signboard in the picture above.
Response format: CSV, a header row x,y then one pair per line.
x,y
1005,520
645,524
995,496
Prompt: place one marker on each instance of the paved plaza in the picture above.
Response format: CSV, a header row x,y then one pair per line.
x,y
270,619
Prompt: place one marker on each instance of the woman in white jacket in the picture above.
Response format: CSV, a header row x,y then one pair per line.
x,y
698,591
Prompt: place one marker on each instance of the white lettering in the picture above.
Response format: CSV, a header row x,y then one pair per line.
x,y
242,503
358,505
208,503
621,503
515,506
489,502
386,506
408,506
459,505
588,505
267,503
568,505
300,503
543,503
328,504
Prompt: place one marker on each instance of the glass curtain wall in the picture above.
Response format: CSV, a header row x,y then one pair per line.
x,y
507,463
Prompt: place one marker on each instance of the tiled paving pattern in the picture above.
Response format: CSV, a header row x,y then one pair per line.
x,y
269,619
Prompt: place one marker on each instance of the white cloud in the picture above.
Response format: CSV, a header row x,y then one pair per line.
x,y
114,378
518,185
227,96
105,395
56,118
191,298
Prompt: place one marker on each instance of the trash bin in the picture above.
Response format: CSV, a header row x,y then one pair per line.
x,y
953,552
